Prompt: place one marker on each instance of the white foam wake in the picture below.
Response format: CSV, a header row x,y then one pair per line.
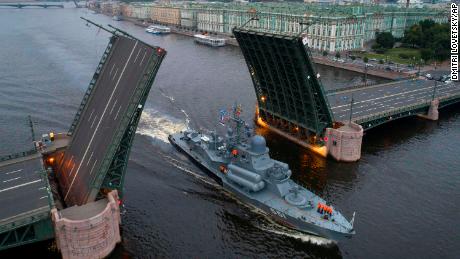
x,y
268,224
159,126
281,230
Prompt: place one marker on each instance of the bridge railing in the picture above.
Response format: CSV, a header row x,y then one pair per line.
x,y
89,90
389,113
381,117
18,155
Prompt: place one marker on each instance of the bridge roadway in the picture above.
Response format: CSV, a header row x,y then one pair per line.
x,y
21,5
22,189
371,100
99,121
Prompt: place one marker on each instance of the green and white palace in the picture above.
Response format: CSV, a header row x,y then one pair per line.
x,y
327,27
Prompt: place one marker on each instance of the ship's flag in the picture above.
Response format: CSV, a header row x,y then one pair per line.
x,y
223,116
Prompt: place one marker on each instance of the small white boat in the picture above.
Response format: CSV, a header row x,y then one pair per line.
x,y
208,40
158,29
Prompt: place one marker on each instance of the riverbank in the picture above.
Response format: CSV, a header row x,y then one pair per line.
x,y
392,75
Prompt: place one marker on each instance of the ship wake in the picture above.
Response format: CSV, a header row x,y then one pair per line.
x,y
266,223
159,126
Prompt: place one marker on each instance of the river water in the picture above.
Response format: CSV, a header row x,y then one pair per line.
x,y
405,189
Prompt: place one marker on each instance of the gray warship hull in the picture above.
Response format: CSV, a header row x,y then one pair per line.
x,y
256,199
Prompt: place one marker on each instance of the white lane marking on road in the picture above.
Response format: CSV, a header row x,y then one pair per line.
x,y
91,156
42,188
43,197
116,115
71,170
113,106
142,61
92,124
15,171
20,185
99,123
91,115
92,168
12,179
115,75
378,98
137,55
112,69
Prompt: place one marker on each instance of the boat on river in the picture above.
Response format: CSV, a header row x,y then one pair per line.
x,y
240,161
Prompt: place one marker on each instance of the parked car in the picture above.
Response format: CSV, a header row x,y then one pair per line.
x,y
429,76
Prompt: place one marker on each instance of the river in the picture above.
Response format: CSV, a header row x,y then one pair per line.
x,y
405,189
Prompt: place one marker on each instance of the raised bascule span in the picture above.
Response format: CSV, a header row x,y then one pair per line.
x,y
70,185
292,101
105,124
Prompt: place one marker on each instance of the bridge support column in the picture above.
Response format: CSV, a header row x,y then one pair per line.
x,y
88,231
433,113
344,143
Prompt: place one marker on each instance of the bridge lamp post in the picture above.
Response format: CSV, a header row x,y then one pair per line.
x,y
365,73
254,18
419,65
351,107
434,90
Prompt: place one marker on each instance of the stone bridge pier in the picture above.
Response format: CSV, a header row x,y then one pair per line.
x,y
88,231
433,113
344,143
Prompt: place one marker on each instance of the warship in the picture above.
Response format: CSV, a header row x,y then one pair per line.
x,y
240,162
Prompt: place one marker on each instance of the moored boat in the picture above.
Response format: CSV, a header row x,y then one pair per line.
x,y
208,40
158,29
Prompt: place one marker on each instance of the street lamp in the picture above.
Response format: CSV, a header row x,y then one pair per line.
x,y
434,89
351,107
365,74
419,64
254,18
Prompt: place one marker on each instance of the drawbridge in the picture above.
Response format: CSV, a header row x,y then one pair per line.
x,y
84,164
105,124
288,89
290,95
292,102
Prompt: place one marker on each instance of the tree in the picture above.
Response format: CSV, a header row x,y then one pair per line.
x,y
381,61
337,54
426,54
385,39
413,35
325,53
353,57
432,37
375,46
366,59
427,24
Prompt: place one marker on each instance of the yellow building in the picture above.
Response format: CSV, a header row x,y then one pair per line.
x,y
166,15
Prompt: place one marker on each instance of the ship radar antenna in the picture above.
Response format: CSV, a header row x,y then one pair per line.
x,y
238,125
